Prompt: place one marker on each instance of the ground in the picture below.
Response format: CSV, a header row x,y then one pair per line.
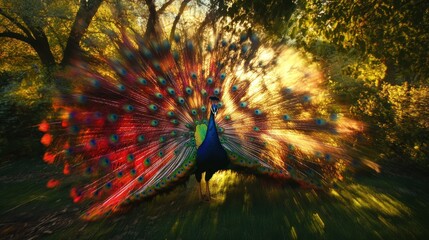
x,y
367,206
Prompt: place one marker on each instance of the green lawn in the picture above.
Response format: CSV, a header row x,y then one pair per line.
x,y
383,206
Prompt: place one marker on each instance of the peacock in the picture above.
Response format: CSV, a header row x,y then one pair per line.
x,y
140,120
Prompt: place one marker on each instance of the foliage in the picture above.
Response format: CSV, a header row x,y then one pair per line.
x,y
396,32
24,101
395,114
271,15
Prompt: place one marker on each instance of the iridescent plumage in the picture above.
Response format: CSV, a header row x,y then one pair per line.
x,y
140,122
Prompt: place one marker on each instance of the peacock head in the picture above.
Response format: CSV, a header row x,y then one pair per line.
x,y
214,101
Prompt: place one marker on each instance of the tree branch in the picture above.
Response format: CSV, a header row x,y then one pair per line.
x,y
16,23
80,25
17,36
163,7
152,22
177,18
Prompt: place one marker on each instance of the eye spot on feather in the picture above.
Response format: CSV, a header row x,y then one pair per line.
x,y
128,108
140,179
120,87
286,117
162,81
194,76
171,91
222,76
216,91
147,162
142,81
243,104
161,154
69,151
92,143
258,112
140,138
176,55
158,95
333,117
95,83
232,47
114,138
112,117
88,170
162,139
243,37
306,99
147,53
108,185
320,122
227,117
209,48
209,81
173,133
244,49
176,37
166,45
153,107
204,92
203,109
130,157
190,45
233,156
224,43
181,100
154,123
133,172
256,129
234,88
287,90
157,66
81,99
74,129
120,174
174,122
170,114
188,90
328,157
105,162
194,112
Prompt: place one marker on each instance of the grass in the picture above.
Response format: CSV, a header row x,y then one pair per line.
x,y
383,206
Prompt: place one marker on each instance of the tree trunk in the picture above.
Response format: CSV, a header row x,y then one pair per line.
x,y
80,25
153,21
41,46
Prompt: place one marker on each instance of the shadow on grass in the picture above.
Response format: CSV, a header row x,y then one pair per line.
x,y
245,207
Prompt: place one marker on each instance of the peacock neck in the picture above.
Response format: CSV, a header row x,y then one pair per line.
x,y
211,135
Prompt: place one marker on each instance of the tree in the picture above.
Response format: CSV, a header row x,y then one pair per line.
x,y
28,21
396,32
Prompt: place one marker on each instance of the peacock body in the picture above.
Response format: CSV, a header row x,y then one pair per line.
x,y
137,123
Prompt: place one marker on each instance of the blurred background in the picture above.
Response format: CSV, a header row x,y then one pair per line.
x,y
374,55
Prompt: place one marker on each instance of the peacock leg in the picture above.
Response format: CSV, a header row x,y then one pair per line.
x,y
198,176
208,191
207,177
201,191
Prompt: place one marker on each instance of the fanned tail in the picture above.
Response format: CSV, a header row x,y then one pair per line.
x,y
128,124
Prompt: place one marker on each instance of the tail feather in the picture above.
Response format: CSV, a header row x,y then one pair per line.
x,y
128,123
